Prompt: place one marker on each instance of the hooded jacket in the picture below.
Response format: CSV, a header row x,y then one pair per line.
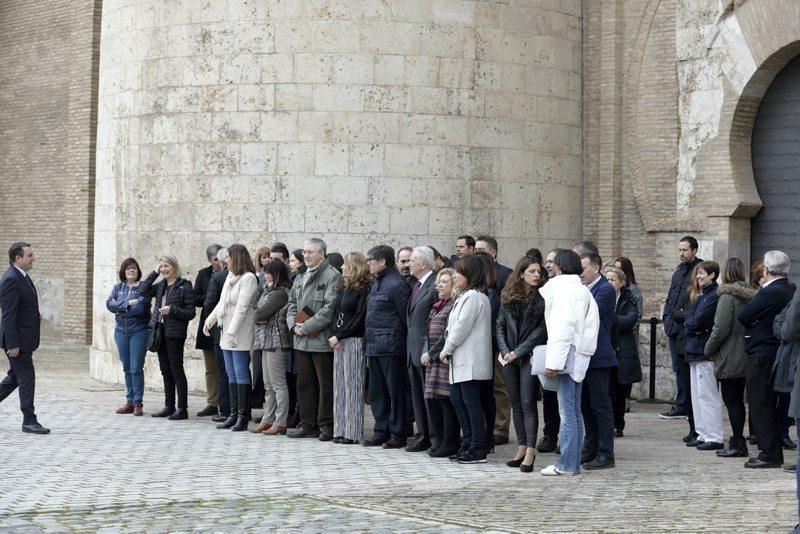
x,y
681,279
725,345
699,322
572,320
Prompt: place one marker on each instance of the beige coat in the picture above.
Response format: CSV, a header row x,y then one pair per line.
x,y
235,313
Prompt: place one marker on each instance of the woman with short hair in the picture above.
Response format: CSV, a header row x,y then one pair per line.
x,y
573,323
443,420
173,308
132,315
520,328
468,350
347,341
236,314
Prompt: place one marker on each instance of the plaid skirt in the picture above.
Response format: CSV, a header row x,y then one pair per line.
x,y
437,381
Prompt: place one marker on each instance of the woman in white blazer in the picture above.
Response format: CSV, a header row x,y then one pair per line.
x,y
573,322
236,316
468,349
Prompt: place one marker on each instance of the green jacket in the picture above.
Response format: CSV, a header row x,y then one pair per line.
x,y
726,343
316,290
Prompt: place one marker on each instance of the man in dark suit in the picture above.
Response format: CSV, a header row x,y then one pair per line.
x,y
502,419
19,332
598,414
212,295
761,346
204,342
423,295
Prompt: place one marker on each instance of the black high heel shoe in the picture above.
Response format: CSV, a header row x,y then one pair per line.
x,y
515,462
528,468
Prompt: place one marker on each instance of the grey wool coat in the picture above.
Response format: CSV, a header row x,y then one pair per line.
x,y
725,345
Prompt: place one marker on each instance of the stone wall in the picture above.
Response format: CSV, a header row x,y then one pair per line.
x,y
397,121
48,83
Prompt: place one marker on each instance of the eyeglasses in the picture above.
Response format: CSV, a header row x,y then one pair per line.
x,y
370,259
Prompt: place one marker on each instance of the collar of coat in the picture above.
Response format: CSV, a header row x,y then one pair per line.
x,y
743,290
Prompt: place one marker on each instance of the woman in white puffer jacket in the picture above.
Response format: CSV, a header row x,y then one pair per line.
x,y
572,323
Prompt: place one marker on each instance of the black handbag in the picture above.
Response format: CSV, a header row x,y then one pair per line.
x,y
154,339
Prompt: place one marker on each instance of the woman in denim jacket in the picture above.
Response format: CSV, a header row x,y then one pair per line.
x,y
132,312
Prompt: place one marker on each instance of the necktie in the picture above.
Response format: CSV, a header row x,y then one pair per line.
x,y
30,283
415,292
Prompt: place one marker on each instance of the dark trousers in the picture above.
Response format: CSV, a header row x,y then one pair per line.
x,y
224,390
489,406
618,394
467,399
763,405
598,416
315,388
257,380
387,395
732,390
21,375
416,375
552,419
523,390
784,421
170,361
686,379
443,423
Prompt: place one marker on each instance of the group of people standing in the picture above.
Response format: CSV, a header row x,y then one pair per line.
x,y
732,339
448,345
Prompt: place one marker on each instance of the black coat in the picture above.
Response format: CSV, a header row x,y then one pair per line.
x,y
520,327
681,279
213,294
21,321
349,313
180,299
203,342
699,323
385,328
626,317
758,315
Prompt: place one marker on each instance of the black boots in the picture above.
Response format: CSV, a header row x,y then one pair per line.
x,y
737,448
233,394
243,405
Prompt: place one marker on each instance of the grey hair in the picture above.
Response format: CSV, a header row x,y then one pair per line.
x,y
212,249
222,254
317,242
777,263
425,254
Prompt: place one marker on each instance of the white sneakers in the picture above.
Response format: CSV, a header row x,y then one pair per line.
x,y
551,471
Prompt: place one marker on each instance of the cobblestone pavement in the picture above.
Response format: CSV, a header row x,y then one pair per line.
x,y
99,471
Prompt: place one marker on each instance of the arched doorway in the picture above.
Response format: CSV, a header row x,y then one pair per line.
x,y
776,167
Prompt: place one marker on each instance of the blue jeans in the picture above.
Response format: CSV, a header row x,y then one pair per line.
x,y
132,350
237,364
569,408
466,398
677,360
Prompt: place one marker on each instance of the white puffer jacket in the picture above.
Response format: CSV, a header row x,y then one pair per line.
x,y
572,320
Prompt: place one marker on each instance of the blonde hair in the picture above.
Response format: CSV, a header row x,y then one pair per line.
x,y
358,275
616,270
449,271
173,261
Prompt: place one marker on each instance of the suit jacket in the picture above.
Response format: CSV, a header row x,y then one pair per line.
x,y
19,304
203,342
606,299
503,273
417,318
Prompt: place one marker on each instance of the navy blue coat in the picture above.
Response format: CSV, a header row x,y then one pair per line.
x,y
606,299
502,273
129,319
19,304
699,323
757,317
385,327
681,279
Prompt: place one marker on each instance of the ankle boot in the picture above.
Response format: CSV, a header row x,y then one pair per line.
x,y
233,394
242,413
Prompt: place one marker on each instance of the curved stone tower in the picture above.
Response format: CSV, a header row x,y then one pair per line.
x,y
361,121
